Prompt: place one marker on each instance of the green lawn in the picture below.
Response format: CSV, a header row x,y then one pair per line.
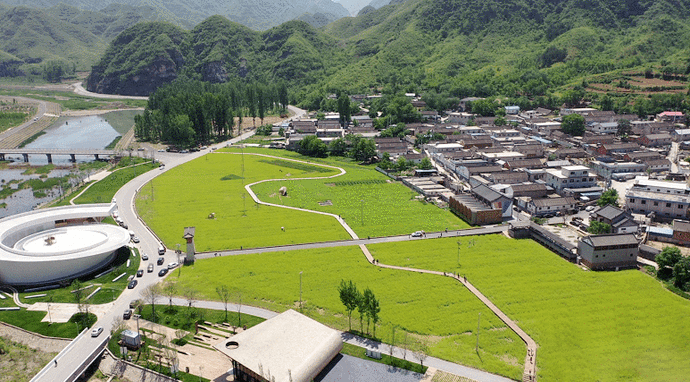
x,y
186,195
104,190
590,326
433,307
371,203
11,119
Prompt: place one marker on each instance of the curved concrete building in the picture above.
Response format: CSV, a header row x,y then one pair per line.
x,y
50,245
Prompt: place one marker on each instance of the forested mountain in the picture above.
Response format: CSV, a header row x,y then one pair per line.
x,y
256,14
217,50
456,48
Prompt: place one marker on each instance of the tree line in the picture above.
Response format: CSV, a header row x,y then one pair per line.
x,y
365,302
188,113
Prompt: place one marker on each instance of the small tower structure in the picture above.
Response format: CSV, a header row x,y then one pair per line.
x,y
189,237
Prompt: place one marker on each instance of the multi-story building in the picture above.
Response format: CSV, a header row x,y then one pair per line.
x,y
611,251
663,200
570,177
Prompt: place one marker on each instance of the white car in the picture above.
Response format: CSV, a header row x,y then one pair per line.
x,y
416,234
95,332
589,208
173,265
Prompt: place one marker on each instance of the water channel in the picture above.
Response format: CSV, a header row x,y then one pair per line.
x,y
89,132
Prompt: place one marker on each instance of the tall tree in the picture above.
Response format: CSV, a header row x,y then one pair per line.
x,y
573,124
348,296
224,294
681,274
150,295
608,197
668,257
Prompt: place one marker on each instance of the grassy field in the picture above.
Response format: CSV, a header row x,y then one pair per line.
x,y
371,203
104,190
590,326
186,195
433,309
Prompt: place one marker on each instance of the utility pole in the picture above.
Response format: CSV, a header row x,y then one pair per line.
x,y
361,208
476,348
459,251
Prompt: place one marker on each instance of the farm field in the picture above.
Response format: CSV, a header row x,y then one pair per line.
x,y
435,308
590,326
371,203
214,184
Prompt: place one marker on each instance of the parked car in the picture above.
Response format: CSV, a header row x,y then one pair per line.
x,y
173,265
127,314
134,303
135,239
145,257
160,261
150,268
163,272
95,332
132,284
589,208
184,151
140,273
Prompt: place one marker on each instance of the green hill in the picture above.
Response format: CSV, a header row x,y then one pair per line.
x,y
216,50
459,48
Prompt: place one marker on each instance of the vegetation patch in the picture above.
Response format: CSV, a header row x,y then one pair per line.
x,y
18,361
297,166
11,119
31,139
104,190
605,320
435,310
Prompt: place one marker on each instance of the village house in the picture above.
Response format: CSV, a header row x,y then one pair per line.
x,y
603,127
671,116
532,190
617,148
619,220
655,140
611,251
680,135
569,177
615,169
662,200
461,118
547,206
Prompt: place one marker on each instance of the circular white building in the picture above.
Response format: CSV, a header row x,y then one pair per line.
x,y
54,244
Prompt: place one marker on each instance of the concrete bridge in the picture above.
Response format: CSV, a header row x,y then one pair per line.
x,y
50,152
73,360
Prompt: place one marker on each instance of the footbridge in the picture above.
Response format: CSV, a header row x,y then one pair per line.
x,y
73,360
97,153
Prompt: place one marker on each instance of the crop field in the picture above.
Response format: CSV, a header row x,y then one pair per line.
x,y
590,326
433,307
371,203
187,195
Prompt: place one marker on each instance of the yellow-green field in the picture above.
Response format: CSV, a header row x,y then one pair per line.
x,y
590,326
186,195
436,307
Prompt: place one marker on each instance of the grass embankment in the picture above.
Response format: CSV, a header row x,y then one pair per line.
x,y
605,326
186,195
122,121
12,119
104,190
371,203
19,361
435,310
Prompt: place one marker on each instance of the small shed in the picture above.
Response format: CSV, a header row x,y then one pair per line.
x,y
131,339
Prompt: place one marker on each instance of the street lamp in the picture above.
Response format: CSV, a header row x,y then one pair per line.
x,y
300,291
459,251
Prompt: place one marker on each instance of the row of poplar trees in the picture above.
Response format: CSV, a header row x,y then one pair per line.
x,y
365,302
187,113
